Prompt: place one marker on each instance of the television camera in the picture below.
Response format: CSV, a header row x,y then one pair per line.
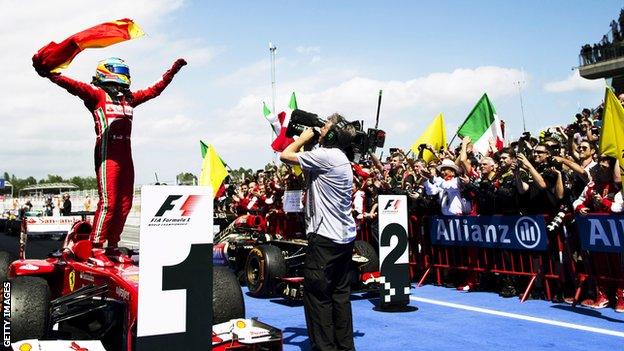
x,y
362,143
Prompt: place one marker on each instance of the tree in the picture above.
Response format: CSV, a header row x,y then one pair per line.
x,y
186,178
237,175
30,181
53,178
269,167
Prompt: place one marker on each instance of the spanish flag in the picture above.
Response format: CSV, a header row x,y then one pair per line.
x,y
612,132
54,57
213,170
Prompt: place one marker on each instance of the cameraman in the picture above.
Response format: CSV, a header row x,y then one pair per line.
x,y
546,187
331,233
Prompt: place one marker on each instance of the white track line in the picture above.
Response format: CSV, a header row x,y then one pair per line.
x,y
520,316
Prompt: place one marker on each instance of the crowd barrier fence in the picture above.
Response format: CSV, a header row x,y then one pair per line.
x,y
556,268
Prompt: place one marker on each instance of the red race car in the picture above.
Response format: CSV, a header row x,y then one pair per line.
x,y
82,293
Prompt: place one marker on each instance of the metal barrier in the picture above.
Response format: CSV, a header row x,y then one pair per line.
x,y
604,268
551,266
555,267
547,265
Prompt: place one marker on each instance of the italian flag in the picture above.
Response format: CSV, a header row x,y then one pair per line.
x,y
280,143
292,105
275,123
482,125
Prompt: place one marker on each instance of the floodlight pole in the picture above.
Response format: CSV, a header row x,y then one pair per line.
x,y
272,49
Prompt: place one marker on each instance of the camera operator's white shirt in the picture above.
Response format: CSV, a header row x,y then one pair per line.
x,y
328,204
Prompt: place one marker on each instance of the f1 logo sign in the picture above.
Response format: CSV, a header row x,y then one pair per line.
x,y
175,220
187,207
394,203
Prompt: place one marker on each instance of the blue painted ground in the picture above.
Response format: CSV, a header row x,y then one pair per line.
x,y
435,327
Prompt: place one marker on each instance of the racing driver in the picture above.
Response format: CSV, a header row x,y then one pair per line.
x,y
111,102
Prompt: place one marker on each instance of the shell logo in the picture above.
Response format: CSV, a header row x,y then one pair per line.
x,y
25,347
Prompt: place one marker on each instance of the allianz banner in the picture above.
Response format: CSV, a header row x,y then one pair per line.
x,y
601,233
497,232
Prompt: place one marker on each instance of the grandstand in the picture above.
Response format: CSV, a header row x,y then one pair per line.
x,y
606,58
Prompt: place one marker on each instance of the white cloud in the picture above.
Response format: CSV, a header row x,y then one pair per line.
x,y
315,59
428,94
574,82
252,73
307,50
244,136
50,130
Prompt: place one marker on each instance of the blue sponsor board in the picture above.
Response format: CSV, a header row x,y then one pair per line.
x,y
499,232
1,183
601,233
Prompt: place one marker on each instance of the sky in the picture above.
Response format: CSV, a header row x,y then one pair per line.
x,y
336,55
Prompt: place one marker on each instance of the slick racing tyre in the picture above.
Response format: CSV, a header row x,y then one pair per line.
x,y
227,296
265,265
5,261
365,249
30,306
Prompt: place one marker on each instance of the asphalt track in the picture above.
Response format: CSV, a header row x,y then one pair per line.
x,y
445,319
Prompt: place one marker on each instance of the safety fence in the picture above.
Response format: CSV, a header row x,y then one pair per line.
x,y
569,256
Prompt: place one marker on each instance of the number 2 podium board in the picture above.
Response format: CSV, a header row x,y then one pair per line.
x,y
175,273
393,252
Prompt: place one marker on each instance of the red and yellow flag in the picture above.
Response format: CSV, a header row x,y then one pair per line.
x,y
54,57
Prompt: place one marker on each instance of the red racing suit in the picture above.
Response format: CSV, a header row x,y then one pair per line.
x,y
113,156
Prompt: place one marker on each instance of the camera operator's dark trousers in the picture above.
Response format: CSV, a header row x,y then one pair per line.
x,y
326,294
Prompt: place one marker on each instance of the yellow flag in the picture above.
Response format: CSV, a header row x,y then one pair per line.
x,y
435,134
213,171
612,132
297,170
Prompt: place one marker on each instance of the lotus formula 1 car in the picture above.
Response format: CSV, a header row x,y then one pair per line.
x,y
83,293
272,264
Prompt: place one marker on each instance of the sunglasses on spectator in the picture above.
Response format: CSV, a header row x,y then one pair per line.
x,y
540,151
583,148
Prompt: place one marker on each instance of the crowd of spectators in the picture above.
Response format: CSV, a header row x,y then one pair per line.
x,y
558,173
46,205
607,48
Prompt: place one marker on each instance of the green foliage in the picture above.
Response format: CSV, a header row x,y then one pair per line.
x,y
186,178
270,167
237,175
83,183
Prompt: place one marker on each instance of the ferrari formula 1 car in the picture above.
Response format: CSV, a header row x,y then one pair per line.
x,y
83,293
272,264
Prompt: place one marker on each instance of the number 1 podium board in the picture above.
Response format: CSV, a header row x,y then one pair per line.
x,y
393,253
175,272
